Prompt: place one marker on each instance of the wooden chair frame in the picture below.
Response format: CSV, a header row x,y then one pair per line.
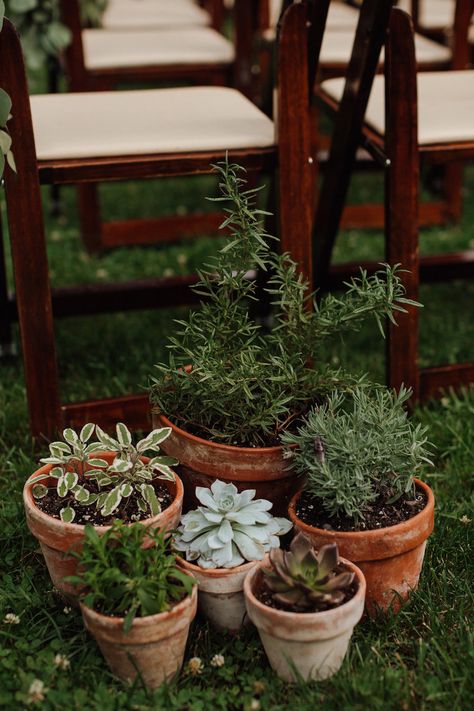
x,y
399,153
36,303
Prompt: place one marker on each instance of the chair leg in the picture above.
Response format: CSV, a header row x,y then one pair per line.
x,y
6,342
402,199
453,182
89,216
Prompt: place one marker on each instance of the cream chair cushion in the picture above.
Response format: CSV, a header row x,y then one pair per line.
x,y
432,14
188,45
178,120
445,105
337,49
153,14
340,15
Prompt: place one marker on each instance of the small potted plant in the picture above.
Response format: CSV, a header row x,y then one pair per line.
x,y
305,607
360,454
222,540
135,601
232,385
85,481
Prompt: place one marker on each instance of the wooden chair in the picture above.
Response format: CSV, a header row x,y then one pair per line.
x,y
101,136
407,117
159,14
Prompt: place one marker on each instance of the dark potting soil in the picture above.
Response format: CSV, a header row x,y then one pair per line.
x,y
379,515
263,594
128,510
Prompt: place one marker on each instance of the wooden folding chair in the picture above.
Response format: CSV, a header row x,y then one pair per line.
x,y
407,117
101,136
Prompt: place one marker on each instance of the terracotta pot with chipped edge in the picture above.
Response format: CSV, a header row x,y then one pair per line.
x,y
391,558
56,538
221,593
203,461
154,646
311,645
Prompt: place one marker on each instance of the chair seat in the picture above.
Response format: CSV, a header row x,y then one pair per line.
x,y
153,14
445,106
433,14
337,47
188,45
340,15
153,121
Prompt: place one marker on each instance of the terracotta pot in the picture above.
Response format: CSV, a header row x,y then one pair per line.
x,y
153,647
221,593
391,558
57,538
202,462
311,645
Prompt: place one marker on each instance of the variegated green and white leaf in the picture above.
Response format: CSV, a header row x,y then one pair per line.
x,y
94,473
67,514
148,493
120,465
101,499
71,479
112,501
167,461
62,487
40,477
123,434
109,442
70,436
82,495
86,432
93,447
142,505
165,472
97,462
155,438
39,491
59,447
56,472
126,490
51,460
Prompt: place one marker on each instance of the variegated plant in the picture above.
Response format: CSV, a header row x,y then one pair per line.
x,y
128,477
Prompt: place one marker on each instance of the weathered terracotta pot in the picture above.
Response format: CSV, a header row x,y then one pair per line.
x,y
202,462
153,647
57,538
221,593
311,645
391,558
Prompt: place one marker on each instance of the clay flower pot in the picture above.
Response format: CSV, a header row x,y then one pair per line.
x,y
153,647
203,461
311,645
391,558
56,538
221,593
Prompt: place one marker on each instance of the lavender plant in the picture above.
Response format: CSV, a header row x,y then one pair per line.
x,y
128,477
248,384
357,449
302,579
229,528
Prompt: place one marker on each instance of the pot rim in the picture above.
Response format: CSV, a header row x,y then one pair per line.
x,y
308,617
216,572
216,445
77,529
372,533
138,622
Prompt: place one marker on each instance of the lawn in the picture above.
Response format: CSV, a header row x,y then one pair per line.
x,y
421,659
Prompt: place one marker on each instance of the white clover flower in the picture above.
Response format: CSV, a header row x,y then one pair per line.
x,y
195,666
61,661
218,660
254,705
11,619
465,519
67,610
36,692
229,528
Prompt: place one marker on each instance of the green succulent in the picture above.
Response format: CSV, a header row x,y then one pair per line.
x,y
301,578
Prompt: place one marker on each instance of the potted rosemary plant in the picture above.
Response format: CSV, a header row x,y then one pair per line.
x,y
360,454
222,540
86,481
135,601
305,606
231,386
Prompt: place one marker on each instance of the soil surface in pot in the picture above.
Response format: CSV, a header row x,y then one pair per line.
x,y
380,515
128,511
263,594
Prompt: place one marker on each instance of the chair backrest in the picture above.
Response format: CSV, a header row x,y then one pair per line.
x,y
74,68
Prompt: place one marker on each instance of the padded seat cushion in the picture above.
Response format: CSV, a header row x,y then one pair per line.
x,y
445,106
188,45
115,123
153,14
340,15
337,48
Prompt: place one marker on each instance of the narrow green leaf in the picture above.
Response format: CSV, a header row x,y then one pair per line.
x,y
123,434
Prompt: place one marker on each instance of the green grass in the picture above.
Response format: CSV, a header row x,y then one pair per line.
x,y
422,659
